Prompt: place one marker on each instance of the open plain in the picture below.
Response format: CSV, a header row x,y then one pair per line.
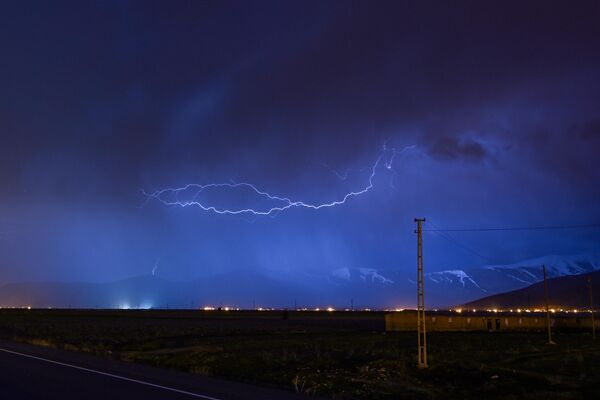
x,y
342,355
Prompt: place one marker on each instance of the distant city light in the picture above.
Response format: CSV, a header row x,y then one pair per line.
x,y
149,306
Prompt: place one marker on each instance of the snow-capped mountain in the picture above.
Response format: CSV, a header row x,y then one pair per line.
x,y
367,275
451,276
555,266
568,291
460,285
340,288
396,287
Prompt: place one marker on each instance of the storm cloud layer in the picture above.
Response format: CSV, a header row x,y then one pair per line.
x,y
101,101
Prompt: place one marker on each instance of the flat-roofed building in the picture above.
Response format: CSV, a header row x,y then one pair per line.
x,y
486,321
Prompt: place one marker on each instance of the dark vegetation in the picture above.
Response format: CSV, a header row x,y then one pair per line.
x,y
337,355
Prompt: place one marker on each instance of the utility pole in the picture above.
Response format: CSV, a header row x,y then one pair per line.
x,y
421,332
547,309
589,281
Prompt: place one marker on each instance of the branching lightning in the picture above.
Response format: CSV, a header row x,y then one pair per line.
x,y
171,196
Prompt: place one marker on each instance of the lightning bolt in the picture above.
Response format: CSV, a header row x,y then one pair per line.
x,y
342,176
171,196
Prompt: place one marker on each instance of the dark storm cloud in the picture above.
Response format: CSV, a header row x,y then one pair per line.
x,y
356,73
446,147
588,132
100,100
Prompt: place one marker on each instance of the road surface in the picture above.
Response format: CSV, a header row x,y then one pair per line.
x,y
34,372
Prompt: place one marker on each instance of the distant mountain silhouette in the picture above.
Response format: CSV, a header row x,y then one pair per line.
x,y
568,292
365,287
458,285
240,289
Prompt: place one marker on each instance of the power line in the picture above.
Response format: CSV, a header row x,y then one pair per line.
x,y
457,243
519,228
462,246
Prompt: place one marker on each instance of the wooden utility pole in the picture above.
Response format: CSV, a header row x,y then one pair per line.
x,y
547,309
589,281
421,332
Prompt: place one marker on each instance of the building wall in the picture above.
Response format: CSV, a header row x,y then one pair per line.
x,y
407,321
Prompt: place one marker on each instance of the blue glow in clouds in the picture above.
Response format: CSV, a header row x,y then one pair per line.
x,y
191,192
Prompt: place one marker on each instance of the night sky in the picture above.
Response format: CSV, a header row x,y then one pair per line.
x,y
496,103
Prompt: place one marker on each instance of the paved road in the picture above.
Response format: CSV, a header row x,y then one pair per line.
x,y
33,372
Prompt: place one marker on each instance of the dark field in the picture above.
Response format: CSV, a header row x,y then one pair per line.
x,y
337,355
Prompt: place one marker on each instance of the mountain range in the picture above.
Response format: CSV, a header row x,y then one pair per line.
x,y
458,286
340,288
567,292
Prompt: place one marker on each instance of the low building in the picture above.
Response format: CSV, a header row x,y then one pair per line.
x,y
486,321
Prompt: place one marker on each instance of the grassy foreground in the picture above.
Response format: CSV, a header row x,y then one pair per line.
x,y
336,355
